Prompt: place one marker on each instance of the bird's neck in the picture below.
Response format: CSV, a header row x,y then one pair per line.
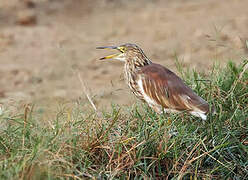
x,y
136,61
132,66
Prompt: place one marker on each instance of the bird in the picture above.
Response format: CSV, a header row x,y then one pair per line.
x,y
156,85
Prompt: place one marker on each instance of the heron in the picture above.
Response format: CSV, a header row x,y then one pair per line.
x,y
156,85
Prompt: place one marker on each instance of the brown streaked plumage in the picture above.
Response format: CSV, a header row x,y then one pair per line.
x,y
156,85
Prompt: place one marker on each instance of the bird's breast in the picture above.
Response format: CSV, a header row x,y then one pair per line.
x,y
131,77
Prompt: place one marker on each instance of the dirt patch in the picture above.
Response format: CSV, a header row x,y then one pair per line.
x,y
41,61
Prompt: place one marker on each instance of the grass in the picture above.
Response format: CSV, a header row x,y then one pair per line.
x,y
71,141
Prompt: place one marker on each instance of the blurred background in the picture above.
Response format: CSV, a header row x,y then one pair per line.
x,y
45,43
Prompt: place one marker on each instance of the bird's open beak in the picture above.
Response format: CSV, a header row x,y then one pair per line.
x,y
110,56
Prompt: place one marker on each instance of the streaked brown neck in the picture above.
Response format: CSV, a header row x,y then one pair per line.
x,y
134,61
137,59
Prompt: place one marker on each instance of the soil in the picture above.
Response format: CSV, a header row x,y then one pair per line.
x,y
45,45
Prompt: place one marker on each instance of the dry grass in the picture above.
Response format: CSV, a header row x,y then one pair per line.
x,y
74,142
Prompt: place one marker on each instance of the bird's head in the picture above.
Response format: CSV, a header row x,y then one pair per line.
x,y
129,53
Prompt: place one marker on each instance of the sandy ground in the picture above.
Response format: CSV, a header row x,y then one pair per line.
x,y
42,60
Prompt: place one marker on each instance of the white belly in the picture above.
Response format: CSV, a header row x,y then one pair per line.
x,y
146,97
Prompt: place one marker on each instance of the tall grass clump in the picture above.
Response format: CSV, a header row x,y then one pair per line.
x,y
70,141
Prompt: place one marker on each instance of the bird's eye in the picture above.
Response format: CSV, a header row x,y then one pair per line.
x,y
122,49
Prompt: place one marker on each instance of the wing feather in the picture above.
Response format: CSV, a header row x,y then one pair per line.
x,y
168,90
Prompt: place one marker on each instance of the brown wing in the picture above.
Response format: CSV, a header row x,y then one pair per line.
x,y
168,90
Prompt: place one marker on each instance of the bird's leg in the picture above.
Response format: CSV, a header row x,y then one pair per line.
x,y
157,109
173,130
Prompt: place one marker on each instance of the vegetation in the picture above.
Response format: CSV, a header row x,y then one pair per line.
x,y
74,142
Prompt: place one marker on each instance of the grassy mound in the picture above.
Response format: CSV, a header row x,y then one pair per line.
x,y
74,142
